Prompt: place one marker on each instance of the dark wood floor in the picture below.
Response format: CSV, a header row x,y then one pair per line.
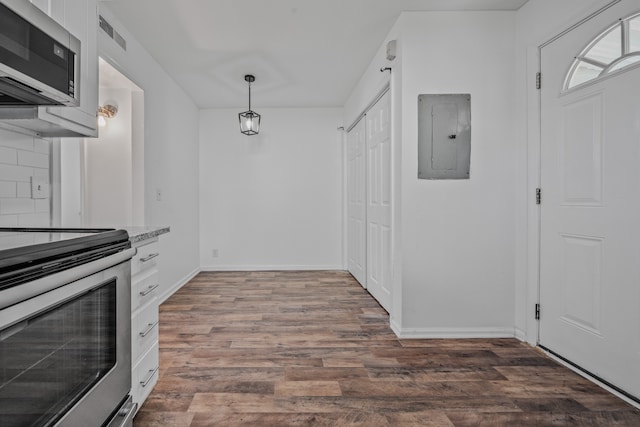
x,y
313,348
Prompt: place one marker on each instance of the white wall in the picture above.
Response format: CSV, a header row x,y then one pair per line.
x,y
273,200
537,22
108,166
170,154
454,254
22,157
458,266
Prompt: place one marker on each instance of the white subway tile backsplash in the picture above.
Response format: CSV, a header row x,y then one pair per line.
x,y
23,157
36,160
7,189
42,205
41,146
16,140
8,220
23,190
8,155
41,173
34,220
16,173
17,206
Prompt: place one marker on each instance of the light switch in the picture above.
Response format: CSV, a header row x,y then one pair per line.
x,y
39,188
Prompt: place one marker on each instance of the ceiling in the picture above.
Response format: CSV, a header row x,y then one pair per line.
x,y
304,53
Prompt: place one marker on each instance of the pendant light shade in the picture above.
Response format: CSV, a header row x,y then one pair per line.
x,y
249,120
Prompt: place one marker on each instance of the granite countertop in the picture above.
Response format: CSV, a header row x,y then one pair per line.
x,y
140,233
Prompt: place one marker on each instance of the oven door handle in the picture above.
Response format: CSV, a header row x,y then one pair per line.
x,y
21,302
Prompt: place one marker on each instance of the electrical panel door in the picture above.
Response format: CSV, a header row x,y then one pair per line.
x,y
444,136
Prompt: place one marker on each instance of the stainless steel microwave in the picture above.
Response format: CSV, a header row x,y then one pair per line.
x,y
39,59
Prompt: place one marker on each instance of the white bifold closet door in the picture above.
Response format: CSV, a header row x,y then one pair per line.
x,y
356,204
369,201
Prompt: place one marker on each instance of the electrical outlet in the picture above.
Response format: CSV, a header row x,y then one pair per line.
x,y
214,253
39,188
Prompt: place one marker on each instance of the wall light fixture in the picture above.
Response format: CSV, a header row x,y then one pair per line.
x,y
105,112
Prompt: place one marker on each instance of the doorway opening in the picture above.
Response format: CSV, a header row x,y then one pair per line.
x,y
114,162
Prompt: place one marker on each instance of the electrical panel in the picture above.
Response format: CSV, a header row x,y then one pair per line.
x,y
444,136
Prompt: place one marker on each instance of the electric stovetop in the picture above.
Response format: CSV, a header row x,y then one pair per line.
x,y
29,253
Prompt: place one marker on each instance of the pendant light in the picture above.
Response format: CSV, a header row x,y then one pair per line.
x,y
249,120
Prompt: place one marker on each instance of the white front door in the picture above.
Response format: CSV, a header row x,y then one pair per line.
x,y
379,201
356,205
590,212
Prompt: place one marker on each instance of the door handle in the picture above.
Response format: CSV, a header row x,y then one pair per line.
x,y
149,329
152,372
150,257
149,290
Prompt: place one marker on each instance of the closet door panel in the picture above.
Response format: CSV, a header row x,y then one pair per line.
x,y
378,210
356,203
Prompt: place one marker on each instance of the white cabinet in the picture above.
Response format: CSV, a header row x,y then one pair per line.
x,y
144,319
80,18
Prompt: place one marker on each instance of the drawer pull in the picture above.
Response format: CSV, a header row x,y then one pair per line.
x,y
152,372
149,290
149,257
149,329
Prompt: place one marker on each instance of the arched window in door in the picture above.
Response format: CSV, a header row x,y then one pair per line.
x,y
616,48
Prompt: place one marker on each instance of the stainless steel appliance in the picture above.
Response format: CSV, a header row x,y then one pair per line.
x,y
65,330
39,59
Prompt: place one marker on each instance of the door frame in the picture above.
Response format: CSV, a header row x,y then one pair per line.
x,y
531,334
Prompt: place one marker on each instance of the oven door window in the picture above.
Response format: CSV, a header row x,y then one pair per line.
x,y
49,361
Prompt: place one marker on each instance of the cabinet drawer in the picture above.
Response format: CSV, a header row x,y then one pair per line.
x,y
144,330
146,258
144,288
145,375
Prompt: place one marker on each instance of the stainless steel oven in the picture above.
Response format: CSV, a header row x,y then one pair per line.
x,y
65,335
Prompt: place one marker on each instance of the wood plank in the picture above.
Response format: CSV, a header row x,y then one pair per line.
x,y
314,348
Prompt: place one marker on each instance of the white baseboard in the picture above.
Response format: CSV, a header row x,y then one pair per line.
x,y
180,283
425,333
272,268
521,335
395,327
